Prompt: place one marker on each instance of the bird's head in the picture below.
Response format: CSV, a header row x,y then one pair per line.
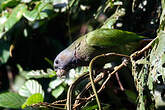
x,y
63,62
73,56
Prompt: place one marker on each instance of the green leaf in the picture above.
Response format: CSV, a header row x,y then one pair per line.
x,y
18,83
9,3
162,18
58,91
4,51
131,96
49,61
15,16
11,100
40,74
53,84
31,87
33,99
90,107
40,12
3,19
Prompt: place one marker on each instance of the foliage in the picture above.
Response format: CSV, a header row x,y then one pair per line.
x,y
32,32
11,100
33,99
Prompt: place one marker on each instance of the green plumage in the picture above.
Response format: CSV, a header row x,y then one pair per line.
x,y
97,42
111,37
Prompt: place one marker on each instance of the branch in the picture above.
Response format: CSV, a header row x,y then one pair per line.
x,y
91,72
116,69
70,90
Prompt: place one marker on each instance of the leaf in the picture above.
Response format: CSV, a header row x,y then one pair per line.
x,y
109,23
18,83
162,17
60,4
40,74
91,105
26,1
11,100
33,99
40,12
49,61
157,57
31,87
131,96
53,84
15,16
21,71
58,91
9,3
4,51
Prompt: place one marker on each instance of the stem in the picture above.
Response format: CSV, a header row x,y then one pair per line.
x,y
91,72
70,90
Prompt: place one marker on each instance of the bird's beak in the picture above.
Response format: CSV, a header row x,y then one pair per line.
x,y
61,72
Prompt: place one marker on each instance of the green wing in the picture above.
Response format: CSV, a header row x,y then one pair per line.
x,y
111,37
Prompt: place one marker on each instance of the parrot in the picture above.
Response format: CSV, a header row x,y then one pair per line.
x,y
99,41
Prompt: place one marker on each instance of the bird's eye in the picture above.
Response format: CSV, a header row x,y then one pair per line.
x,y
56,61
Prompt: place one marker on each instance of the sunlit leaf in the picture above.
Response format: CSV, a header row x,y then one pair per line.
x,y
31,87
60,4
15,16
26,1
53,84
40,11
11,100
33,99
18,82
58,91
40,74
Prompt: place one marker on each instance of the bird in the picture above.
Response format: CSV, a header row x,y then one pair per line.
x,y
99,41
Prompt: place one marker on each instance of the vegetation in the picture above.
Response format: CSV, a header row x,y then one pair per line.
x,y
33,32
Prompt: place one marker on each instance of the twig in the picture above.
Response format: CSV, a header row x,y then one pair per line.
x,y
100,76
119,82
70,90
59,101
117,68
45,104
91,72
138,53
